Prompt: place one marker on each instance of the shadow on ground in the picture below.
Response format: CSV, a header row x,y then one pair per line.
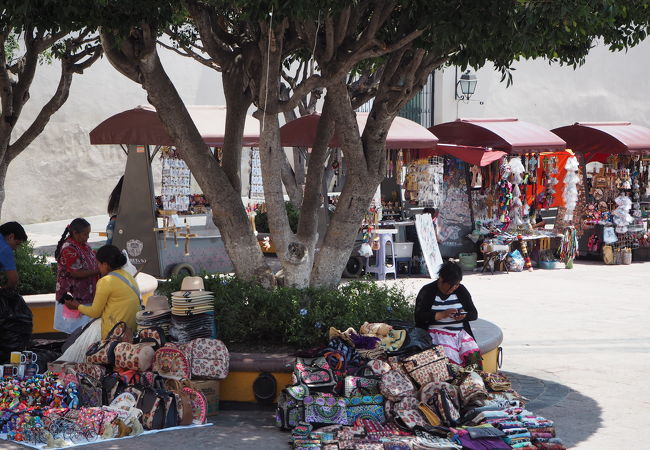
x,y
576,416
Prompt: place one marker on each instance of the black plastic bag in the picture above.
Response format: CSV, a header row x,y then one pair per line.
x,y
15,323
417,339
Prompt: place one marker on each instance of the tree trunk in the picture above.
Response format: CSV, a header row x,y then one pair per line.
x,y
3,174
227,208
237,102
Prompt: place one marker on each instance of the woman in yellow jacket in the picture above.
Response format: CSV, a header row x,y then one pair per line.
x,y
117,299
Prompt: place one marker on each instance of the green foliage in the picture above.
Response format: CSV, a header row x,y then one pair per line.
x,y
262,219
36,275
249,314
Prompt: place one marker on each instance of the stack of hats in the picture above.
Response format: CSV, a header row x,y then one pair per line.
x,y
193,311
155,314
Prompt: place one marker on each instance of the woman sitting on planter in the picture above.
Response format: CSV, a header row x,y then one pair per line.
x,y
117,299
445,308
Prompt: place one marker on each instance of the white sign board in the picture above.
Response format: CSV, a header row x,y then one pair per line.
x,y
428,243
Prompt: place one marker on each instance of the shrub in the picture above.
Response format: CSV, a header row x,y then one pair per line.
x,y
262,220
248,314
36,275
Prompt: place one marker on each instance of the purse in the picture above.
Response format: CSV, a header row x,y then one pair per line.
x,y
472,390
395,385
89,390
291,409
325,409
183,401
427,366
443,397
152,335
315,373
365,407
93,370
360,386
137,357
120,333
171,363
101,353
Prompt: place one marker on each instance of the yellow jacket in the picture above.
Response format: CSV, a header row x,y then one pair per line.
x,y
114,302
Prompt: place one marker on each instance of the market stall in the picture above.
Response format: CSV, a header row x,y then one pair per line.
x,y
486,196
386,209
617,209
175,233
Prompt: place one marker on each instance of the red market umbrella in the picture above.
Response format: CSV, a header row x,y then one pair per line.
x,y
403,133
477,156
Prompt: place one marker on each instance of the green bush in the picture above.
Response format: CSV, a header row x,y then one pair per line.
x,y
262,219
36,275
249,315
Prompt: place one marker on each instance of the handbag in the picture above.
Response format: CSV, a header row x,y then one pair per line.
x,y
93,370
365,407
395,385
208,358
137,357
325,409
427,366
89,390
152,335
484,432
360,386
444,398
171,363
472,389
183,401
120,332
315,373
101,353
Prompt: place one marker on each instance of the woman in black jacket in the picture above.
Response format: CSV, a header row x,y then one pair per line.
x,y
444,308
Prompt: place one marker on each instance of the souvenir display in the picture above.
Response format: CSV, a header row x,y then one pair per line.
x,y
192,312
176,181
425,402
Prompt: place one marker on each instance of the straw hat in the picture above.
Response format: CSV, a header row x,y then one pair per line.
x,y
157,306
192,287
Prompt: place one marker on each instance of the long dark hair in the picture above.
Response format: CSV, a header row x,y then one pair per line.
x,y
78,225
112,256
114,198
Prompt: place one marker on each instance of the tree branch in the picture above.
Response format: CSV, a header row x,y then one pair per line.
x,y
188,53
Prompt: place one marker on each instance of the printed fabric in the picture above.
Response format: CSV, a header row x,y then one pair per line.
x,y
459,346
76,256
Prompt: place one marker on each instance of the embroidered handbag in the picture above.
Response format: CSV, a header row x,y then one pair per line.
x,y
93,370
153,335
120,333
183,401
360,386
378,366
90,420
171,363
325,409
315,373
395,385
365,407
89,390
472,390
291,409
199,405
444,398
137,357
209,358
101,353
427,366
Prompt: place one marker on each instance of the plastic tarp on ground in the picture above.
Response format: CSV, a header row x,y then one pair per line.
x,y
510,135
142,126
597,140
403,133
477,156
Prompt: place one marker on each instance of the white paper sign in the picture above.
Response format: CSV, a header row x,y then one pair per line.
x,y
428,243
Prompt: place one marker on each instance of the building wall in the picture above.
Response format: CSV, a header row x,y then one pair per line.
x,y
608,87
61,175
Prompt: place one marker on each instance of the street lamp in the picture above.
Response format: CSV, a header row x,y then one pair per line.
x,y
467,84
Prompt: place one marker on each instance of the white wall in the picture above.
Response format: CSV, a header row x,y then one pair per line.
x,y
61,175
608,87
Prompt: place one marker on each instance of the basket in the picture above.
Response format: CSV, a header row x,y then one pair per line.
x,y
467,261
548,265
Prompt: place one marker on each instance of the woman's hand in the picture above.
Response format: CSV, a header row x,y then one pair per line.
x,y
72,304
446,314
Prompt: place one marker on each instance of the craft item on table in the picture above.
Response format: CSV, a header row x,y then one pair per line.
x,y
570,193
523,248
516,212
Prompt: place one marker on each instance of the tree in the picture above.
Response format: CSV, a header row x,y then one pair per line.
x,y
33,33
391,47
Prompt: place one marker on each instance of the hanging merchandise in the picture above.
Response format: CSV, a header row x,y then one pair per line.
x,y
256,187
570,194
505,195
176,181
569,246
516,210
622,217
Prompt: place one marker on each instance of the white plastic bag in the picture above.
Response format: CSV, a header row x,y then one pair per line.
x,y
129,267
67,324
609,235
365,250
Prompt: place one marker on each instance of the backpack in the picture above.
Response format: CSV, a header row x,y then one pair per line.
x,y
208,358
291,409
153,408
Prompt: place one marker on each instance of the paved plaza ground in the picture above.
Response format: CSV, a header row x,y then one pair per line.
x,y
576,343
